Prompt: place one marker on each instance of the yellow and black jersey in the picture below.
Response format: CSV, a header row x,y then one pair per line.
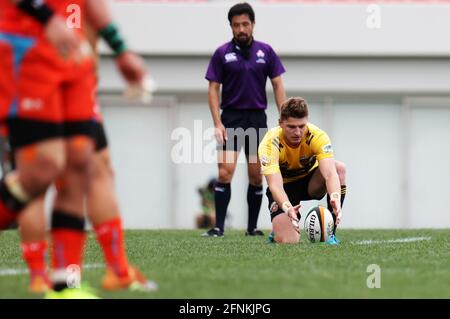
x,y
293,163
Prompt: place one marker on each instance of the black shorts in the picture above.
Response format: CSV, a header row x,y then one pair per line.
x,y
296,191
23,132
94,129
101,142
244,128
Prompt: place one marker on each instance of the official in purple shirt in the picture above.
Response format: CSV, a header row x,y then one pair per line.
x,y
241,67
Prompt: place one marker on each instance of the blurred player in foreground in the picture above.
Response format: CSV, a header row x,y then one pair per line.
x,y
297,160
46,89
101,201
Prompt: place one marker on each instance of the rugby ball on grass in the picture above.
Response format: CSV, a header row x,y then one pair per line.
x,y
319,224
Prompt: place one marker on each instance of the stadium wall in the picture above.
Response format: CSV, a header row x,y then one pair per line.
x,y
342,27
383,95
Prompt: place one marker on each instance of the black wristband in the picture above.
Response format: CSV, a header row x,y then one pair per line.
x,y
38,10
112,36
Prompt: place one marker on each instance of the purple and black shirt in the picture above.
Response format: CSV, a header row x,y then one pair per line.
x,y
244,80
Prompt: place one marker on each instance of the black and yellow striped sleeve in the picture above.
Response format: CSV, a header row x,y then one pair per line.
x,y
269,152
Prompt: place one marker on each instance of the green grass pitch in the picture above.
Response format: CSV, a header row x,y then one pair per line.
x,y
413,264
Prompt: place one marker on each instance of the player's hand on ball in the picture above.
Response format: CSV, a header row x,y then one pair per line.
x,y
336,205
338,218
335,201
294,215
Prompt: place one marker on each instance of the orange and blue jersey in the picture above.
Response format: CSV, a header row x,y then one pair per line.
x,y
36,83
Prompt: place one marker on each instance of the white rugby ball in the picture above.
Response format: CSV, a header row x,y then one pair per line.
x,y
319,224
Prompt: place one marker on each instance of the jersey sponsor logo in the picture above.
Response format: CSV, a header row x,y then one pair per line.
x,y
219,189
327,149
260,57
230,57
30,104
295,172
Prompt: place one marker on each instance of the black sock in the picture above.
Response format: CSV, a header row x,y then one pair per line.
x,y
59,286
222,195
343,192
330,208
254,199
63,221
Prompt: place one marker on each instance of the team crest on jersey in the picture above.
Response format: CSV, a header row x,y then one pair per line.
x,y
230,57
260,57
327,148
307,162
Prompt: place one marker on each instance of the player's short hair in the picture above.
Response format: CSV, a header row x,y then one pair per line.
x,y
241,8
295,107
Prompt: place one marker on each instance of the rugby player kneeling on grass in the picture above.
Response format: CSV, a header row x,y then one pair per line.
x,y
298,162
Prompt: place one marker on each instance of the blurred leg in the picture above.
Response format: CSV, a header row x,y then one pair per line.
x,y
254,194
32,230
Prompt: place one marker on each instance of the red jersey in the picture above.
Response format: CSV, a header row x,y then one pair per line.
x,y
14,20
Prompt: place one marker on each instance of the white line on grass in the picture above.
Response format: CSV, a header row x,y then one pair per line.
x,y
399,240
22,271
